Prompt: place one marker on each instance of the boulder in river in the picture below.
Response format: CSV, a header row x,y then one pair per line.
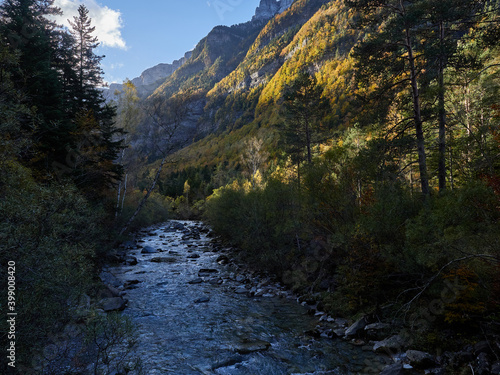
x,y
356,328
395,369
148,250
113,304
131,261
198,280
420,359
247,347
392,344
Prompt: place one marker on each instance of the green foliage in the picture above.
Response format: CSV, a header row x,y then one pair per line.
x,y
262,222
112,338
53,235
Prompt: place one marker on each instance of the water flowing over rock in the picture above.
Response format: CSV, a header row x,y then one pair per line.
x,y
192,318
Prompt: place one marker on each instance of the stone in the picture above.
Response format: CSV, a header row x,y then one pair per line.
x,y
339,332
148,250
390,345
228,362
247,347
113,304
207,271
341,322
420,359
108,292
164,260
356,328
222,259
202,300
131,261
240,278
395,369
377,326
215,281
193,256
198,280
241,290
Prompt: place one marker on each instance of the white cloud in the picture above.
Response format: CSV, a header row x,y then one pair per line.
x,y
108,22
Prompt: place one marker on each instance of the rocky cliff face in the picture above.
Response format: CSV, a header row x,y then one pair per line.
x,y
160,71
267,9
150,79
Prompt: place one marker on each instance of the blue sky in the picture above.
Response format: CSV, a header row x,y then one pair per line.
x,y
136,35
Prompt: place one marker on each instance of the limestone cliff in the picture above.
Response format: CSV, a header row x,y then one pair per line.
x,y
267,9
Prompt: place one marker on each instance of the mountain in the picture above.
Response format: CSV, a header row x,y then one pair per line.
x,y
232,83
150,79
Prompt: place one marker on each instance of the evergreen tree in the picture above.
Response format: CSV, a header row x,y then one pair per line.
x,y
28,32
391,56
97,142
302,109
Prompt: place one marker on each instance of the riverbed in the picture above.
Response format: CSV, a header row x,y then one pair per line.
x,y
197,313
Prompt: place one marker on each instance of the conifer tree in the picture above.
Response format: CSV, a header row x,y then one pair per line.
x,y
88,69
28,32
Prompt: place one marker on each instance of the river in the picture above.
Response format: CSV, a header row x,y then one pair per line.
x,y
199,316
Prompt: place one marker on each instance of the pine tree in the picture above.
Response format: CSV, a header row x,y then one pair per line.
x,y
27,31
88,69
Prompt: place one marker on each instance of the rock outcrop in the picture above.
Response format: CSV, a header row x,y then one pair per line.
x,y
150,79
267,9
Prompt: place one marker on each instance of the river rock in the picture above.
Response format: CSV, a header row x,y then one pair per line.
x,y
392,344
356,328
241,290
420,359
228,362
339,332
215,281
198,280
395,369
131,261
108,291
164,260
202,300
177,226
148,250
222,259
247,347
240,278
207,272
193,256
112,304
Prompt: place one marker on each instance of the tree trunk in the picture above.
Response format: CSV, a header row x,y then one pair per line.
x,y
143,201
124,191
308,141
422,159
442,117
118,199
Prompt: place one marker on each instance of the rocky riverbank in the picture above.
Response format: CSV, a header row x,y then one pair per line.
x,y
201,311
